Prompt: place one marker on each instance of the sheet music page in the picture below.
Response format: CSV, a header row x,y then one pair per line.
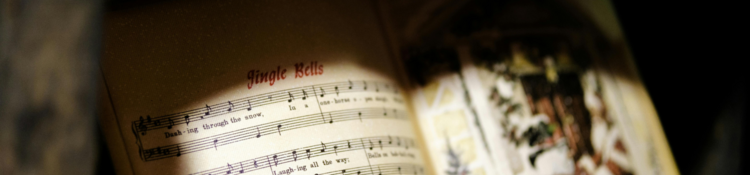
x,y
256,88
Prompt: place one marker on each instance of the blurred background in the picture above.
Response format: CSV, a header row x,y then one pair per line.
x,y
695,78
688,56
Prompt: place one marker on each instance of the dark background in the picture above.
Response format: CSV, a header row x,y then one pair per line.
x,y
689,55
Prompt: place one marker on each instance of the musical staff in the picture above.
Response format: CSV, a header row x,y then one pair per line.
x,y
380,169
270,128
289,156
209,111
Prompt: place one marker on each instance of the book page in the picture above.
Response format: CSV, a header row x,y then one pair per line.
x,y
448,124
255,88
527,88
564,101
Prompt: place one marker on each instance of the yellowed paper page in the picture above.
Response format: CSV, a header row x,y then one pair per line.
x,y
257,88
448,125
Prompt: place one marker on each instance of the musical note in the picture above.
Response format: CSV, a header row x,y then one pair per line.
x,y
270,98
279,128
179,153
323,92
349,144
381,144
377,89
230,168
380,172
365,84
329,116
390,140
350,84
243,168
257,128
304,94
291,97
208,111
148,119
157,122
142,126
308,154
215,140
358,172
294,154
337,90
250,105
324,147
360,116
230,106
399,170
335,147
385,113
187,120
255,163
149,153
343,171
370,144
399,141
276,161
171,123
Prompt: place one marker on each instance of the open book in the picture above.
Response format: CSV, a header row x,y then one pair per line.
x,y
384,87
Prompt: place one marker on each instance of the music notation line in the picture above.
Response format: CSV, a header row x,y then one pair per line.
x,y
269,128
303,153
151,123
383,169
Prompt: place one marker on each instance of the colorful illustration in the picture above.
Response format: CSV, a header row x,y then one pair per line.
x,y
549,106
